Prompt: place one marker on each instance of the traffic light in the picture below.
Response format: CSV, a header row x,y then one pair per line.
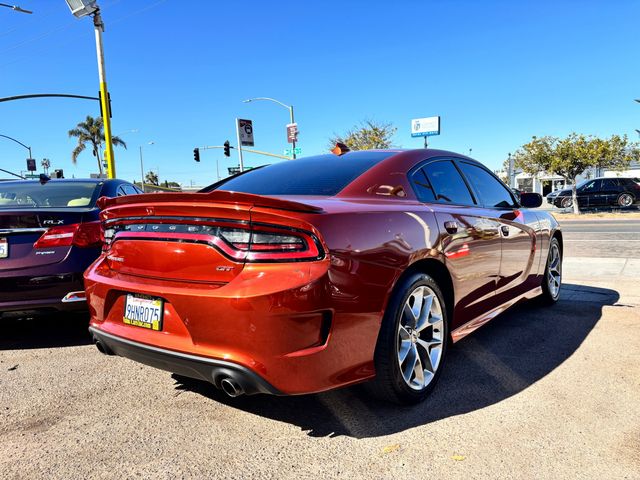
x,y
196,154
227,149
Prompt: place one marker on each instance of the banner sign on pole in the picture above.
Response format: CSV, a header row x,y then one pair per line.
x,y
425,127
245,128
292,132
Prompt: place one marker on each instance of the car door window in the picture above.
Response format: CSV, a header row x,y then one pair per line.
x,y
609,185
590,187
492,193
447,184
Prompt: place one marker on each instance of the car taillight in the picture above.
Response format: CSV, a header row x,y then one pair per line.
x,y
82,235
252,243
269,244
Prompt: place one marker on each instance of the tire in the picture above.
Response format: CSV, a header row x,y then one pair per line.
x,y
395,380
566,202
625,200
552,280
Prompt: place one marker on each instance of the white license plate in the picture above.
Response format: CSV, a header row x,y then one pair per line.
x,y
143,311
4,248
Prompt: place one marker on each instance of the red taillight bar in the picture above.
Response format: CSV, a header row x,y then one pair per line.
x,y
83,235
239,242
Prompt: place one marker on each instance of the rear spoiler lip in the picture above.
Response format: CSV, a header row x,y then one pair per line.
x,y
220,196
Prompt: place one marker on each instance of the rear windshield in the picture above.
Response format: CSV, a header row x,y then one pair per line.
x,y
322,175
50,195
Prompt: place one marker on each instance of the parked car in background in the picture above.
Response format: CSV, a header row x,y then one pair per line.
x,y
599,192
49,234
322,272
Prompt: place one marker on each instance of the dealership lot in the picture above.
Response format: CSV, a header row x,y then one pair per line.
x,y
547,393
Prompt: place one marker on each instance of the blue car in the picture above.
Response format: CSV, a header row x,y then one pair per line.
x,y
49,234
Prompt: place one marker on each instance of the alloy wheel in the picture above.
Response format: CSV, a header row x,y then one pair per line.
x,y
625,200
554,271
420,338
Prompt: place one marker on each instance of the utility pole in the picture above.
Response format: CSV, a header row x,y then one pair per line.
x,y
510,170
83,8
293,143
105,102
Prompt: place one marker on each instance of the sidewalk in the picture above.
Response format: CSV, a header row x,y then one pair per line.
x,y
618,274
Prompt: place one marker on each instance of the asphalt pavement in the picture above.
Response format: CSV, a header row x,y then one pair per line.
x,y
537,393
614,237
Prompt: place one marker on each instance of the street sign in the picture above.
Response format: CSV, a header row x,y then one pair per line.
x,y
292,132
31,164
245,128
236,170
425,127
288,151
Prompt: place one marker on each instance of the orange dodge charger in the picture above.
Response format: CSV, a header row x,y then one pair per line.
x,y
321,272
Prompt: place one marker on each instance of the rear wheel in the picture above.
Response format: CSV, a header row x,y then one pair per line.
x,y
412,343
625,200
552,274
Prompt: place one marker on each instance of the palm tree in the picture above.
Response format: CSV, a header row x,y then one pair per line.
x,y
90,132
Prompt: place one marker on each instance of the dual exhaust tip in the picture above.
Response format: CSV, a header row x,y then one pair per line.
x,y
228,385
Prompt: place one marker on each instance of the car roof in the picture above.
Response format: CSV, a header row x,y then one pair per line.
x,y
66,180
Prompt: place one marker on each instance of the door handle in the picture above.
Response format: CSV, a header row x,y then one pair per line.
x,y
451,227
505,230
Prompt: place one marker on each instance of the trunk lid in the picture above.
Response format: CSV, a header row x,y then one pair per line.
x,y
20,229
192,237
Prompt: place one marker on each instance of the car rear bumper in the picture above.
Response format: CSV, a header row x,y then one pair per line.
x,y
278,321
41,295
193,366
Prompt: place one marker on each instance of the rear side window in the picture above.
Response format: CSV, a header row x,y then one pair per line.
x,y
424,190
448,186
129,189
320,175
610,184
491,192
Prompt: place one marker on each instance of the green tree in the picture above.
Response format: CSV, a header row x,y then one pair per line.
x,y
91,132
151,178
366,136
571,156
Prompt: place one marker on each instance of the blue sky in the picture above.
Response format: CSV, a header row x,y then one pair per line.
x,y
497,72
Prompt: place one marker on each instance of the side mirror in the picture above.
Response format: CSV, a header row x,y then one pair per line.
x,y
530,200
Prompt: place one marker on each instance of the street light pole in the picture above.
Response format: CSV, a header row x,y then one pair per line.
x,y
142,168
104,95
15,8
293,143
19,143
288,107
83,8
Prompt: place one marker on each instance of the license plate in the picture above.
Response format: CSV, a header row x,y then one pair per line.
x,y
143,311
4,248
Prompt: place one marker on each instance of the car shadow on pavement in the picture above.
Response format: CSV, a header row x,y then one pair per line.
x,y
46,331
497,361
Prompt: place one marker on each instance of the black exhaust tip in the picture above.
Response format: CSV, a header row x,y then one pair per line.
x,y
102,348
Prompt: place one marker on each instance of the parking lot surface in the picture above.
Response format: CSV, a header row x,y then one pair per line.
x,y
537,393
